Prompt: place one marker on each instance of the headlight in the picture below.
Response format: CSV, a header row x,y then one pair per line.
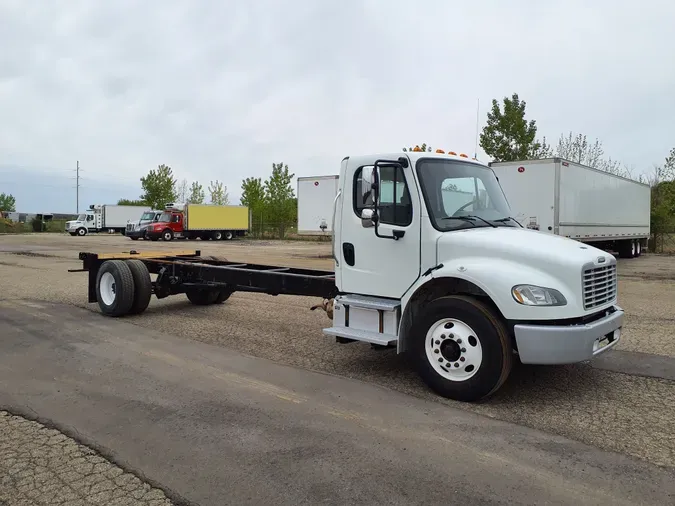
x,y
530,295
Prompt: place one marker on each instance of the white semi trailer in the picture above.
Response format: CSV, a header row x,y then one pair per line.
x,y
589,205
105,218
315,204
456,283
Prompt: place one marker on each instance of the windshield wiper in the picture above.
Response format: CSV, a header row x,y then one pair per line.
x,y
470,218
504,220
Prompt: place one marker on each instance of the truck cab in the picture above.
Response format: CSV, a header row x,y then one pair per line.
x,y
86,222
168,226
428,259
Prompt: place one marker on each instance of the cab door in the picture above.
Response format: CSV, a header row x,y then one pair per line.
x,y
176,224
382,262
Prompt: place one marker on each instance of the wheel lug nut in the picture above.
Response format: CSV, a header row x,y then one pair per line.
x,y
437,342
459,341
456,364
436,351
451,336
440,359
462,359
442,336
463,350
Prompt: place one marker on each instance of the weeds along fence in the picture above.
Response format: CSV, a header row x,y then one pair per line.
x,y
32,226
662,242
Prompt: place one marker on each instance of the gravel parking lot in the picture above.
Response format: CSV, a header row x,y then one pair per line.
x,y
627,413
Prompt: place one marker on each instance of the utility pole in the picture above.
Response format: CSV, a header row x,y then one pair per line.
x,y
77,188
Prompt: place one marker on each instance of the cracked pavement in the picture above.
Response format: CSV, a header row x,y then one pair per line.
x,y
42,466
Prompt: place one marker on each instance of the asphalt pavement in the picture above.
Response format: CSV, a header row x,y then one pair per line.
x,y
209,425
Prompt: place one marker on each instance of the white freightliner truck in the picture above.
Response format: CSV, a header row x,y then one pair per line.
x,y
105,217
572,200
455,283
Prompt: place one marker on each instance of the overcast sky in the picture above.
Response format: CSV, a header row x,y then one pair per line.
x,y
220,90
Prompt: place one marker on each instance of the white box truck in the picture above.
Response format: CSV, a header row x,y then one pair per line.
x,y
452,282
105,217
315,204
572,200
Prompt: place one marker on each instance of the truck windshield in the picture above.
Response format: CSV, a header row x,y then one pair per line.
x,y
81,217
462,195
148,217
165,218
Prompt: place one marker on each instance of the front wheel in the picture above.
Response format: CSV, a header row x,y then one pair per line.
x,y
461,349
167,235
81,232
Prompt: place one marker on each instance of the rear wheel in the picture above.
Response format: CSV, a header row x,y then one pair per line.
x,y
217,235
142,286
638,248
115,288
228,235
222,295
461,349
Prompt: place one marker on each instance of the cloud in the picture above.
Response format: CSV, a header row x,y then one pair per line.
x,y
220,90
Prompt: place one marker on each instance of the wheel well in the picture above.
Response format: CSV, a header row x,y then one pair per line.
x,y
434,289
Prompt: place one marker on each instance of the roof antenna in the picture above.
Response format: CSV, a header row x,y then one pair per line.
x,y
475,150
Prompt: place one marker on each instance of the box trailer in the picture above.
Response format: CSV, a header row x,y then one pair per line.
x,y
315,204
200,221
464,292
105,217
572,200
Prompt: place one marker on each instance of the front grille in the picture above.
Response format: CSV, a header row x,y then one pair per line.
x,y
130,226
599,284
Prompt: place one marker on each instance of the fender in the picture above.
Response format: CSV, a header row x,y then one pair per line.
x,y
490,279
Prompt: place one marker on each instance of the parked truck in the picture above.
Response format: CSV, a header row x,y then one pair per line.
x,y
200,221
457,284
137,229
315,204
592,206
104,217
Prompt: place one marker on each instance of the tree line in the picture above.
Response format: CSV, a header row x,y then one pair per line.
x,y
272,201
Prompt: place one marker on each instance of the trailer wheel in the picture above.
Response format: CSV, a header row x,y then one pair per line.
x,y
142,286
461,349
81,231
115,288
167,235
638,248
228,235
202,296
217,235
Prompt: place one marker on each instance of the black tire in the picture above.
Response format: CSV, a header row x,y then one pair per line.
x,y
638,244
202,296
134,238
625,249
155,239
72,233
217,235
123,288
167,235
491,334
142,286
81,231
222,295
229,235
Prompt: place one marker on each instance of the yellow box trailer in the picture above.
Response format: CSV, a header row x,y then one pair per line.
x,y
210,217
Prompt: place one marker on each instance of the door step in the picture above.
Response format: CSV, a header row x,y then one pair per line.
x,y
362,318
365,336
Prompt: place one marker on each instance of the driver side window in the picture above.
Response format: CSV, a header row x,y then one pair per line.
x,y
395,206
464,194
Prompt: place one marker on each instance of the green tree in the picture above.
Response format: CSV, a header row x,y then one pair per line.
x,y
508,136
422,147
662,182
196,195
159,187
253,197
128,202
7,203
218,192
280,197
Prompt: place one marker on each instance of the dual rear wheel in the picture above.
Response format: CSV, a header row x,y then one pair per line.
x,y
124,287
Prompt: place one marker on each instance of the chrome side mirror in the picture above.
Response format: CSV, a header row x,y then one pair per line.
x,y
367,218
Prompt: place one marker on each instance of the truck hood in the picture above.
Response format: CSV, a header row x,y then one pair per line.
x,y
522,246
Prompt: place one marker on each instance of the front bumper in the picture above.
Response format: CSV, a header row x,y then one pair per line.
x,y
135,233
568,344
